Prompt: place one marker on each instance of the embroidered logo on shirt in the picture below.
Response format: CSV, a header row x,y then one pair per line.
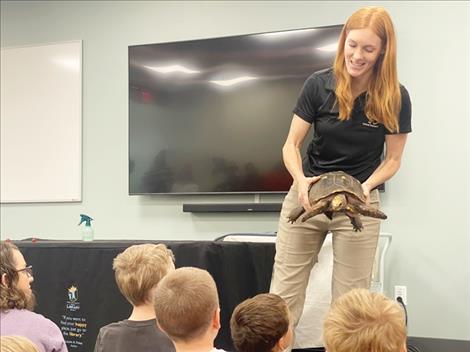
x,y
371,124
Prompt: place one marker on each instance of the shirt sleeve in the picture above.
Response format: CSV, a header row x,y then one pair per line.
x,y
98,342
306,106
404,119
56,339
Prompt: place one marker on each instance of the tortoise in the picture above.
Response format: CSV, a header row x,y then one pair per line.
x,y
337,192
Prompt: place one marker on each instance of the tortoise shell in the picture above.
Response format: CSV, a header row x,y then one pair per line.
x,y
335,182
337,192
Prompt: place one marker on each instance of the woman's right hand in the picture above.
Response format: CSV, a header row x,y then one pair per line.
x,y
303,185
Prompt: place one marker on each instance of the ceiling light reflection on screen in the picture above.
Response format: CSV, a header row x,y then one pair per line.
x,y
284,34
329,48
233,81
171,69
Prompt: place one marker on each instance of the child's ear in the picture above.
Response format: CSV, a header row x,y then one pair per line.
x,y
5,281
216,319
282,344
286,341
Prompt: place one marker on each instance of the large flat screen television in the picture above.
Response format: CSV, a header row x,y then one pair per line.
x,y
211,115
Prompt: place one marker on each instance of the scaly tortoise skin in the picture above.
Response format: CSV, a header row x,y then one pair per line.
x,y
337,192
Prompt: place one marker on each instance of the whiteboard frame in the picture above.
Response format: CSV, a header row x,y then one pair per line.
x,y
54,125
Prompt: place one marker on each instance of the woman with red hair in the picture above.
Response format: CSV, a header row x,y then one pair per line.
x,y
357,108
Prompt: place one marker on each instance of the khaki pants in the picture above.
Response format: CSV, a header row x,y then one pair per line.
x,y
298,244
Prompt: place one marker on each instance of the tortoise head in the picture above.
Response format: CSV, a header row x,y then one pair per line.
x,y
338,202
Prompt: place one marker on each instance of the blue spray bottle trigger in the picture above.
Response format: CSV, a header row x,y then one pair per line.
x,y
87,232
85,218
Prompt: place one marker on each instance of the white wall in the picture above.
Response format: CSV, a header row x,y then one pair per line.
x,y
427,202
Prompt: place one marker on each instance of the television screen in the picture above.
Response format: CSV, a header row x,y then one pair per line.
x,y
211,115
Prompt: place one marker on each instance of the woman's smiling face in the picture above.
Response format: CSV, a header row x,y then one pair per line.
x,y
362,48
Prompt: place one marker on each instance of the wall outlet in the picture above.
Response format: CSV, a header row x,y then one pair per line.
x,y
400,291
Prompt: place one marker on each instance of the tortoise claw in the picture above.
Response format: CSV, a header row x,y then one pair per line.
x,y
295,214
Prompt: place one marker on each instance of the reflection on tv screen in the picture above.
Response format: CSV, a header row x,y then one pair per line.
x,y
211,115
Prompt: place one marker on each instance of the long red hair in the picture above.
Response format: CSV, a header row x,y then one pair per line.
x,y
383,95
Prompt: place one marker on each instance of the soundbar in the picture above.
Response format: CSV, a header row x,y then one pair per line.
x,y
231,207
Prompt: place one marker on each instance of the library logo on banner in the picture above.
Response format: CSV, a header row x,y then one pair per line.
x,y
72,302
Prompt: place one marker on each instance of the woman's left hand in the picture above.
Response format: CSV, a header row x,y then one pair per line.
x,y
366,191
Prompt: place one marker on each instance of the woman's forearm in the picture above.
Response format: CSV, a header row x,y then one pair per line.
x,y
293,160
385,171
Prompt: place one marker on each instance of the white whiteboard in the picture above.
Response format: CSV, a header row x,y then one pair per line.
x,y
41,123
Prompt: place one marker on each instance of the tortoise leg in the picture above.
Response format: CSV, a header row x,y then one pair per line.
x,y
365,210
355,221
370,211
295,213
318,208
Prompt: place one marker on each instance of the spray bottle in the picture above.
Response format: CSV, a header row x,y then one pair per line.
x,y
87,231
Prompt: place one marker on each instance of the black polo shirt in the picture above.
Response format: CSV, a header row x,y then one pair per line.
x,y
354,146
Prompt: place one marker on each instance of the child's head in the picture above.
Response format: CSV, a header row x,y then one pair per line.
x,y
365,321
187,304
17,344
139,269
261,324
